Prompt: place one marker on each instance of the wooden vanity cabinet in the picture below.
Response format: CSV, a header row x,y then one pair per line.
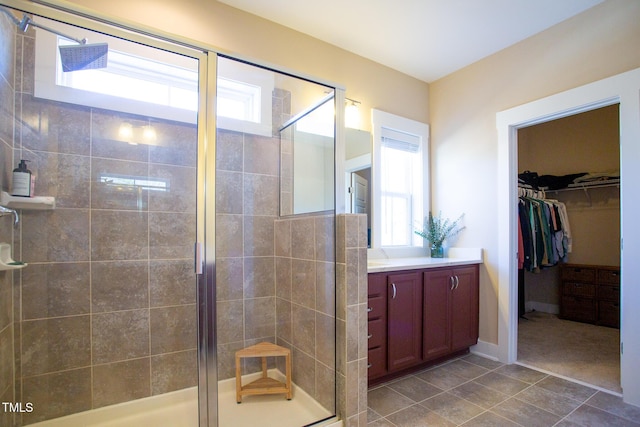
x,y
417,316
451,304
404,320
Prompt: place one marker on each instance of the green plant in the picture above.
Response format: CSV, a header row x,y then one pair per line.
x,y
437,230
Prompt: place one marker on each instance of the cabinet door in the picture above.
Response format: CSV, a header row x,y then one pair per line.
x,y
404,317
438,285
464,308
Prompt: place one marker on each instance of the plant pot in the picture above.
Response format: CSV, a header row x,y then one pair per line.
x,y
437,251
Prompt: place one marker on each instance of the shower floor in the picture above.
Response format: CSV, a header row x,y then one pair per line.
x,y
180,409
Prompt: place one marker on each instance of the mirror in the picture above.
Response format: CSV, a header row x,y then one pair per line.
x,y
307,156
358,174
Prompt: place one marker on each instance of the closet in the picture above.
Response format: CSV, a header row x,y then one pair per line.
x,y
575,161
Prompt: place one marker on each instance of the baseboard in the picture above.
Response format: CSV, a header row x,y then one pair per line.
x,y
485,349
543,307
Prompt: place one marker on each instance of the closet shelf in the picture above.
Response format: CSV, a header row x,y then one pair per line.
x,y
32,203
588,185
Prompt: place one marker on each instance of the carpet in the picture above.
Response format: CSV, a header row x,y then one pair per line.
x,y
575,350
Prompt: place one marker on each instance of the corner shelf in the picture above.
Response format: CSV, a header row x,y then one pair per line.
x,y
6,262
32,203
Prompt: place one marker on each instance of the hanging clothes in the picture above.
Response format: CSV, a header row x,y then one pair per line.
x,y
544,234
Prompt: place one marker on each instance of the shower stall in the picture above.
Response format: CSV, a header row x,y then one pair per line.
x,y
183,230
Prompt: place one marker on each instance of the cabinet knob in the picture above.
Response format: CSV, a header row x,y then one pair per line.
x,y
369,336
369,365
369,309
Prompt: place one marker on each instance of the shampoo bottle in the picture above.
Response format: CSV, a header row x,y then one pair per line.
x,y
22,180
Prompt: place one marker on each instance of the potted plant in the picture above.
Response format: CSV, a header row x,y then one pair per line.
x,y
436,230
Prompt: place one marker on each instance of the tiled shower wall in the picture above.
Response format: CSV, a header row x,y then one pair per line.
x,y
247,206
7,92
105,311
305,301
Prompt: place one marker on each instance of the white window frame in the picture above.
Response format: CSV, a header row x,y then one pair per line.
x,y
254,88
383,120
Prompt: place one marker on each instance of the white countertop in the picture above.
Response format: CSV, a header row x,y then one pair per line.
x,y
456,256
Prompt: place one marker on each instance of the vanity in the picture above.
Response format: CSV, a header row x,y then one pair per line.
x,y
420,311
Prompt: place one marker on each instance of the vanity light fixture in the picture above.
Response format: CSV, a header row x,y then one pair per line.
x,y
352,114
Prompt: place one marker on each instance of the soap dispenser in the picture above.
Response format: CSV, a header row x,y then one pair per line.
x,y
22,180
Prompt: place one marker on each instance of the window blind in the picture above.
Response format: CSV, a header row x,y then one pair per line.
x,y
400,140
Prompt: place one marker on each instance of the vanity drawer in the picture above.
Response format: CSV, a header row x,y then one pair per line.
x,y
377,333
377,364
376,307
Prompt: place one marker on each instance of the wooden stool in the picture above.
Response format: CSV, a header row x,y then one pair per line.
x,y
264,385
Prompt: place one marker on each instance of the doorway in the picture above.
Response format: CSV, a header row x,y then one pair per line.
x,y
568,320
623,89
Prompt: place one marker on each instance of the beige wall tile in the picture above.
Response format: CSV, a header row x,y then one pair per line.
x,y
259,318
229,192
304,329
65,341
261,155
303,282
303,238
229,278
229,319
121,382
173,328
173,371
67,130
56,395
119,285
229,151
115,196
259,277
52,290
120,335
44,231
260,195
171,235
181,193
229,231
119,235
283,278
172,282
283,238
258,235
326,288
65,177
176,144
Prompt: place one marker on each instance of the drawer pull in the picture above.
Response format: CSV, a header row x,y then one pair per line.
x,y
393,288
369,336
369,365
369,309
451,282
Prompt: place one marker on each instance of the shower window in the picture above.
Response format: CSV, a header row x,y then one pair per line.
x,y
166,83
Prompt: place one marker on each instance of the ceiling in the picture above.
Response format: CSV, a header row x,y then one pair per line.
x,y
426,39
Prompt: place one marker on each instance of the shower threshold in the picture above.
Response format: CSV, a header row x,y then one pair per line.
x,y
180,409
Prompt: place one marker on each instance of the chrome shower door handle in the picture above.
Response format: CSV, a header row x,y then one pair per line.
x,y
394,291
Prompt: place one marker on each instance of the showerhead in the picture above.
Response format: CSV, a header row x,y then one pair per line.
x,y
83,56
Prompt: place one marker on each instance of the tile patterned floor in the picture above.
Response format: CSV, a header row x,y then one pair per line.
x,y
473,391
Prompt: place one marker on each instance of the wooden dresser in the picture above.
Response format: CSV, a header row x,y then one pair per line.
x,y
591,294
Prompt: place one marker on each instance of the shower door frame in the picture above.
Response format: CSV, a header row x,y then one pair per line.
x,y
204,248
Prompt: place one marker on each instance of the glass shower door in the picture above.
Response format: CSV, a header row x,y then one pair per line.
x,y
105,317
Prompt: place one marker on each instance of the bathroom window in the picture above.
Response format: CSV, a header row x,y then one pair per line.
x,y
152,80
401,173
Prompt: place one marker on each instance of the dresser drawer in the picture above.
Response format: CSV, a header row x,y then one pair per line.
x,y
578,309
609,276
609,293
377,333
579,289
579,274
377,362
609,314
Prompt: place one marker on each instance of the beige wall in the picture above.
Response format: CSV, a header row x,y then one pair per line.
x,y
239,33
598,43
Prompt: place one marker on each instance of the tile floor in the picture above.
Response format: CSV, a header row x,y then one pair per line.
x,y
475,391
